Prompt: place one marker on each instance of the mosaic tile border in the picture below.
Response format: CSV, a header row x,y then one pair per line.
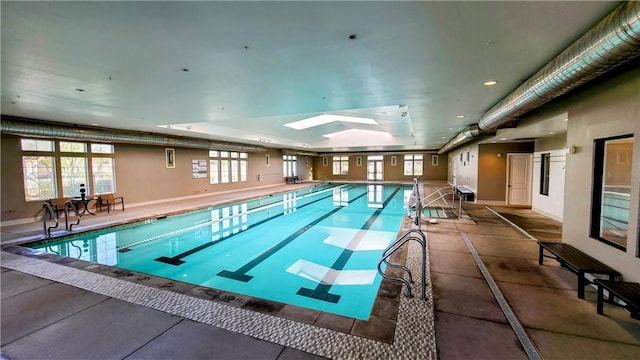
x,y
414,335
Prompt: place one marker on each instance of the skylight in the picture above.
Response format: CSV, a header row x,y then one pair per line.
x,y
326,119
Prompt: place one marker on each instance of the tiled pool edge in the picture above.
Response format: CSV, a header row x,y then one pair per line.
x,y
414,336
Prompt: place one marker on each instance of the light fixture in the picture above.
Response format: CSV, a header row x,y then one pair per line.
x,y
503,139
490,83
552,132
461,116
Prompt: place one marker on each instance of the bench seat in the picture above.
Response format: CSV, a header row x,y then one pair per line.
x,y
465,193
576,261
629,292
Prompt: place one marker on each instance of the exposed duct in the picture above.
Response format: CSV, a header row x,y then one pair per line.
x,y
612,42
299,152
466,135
56,131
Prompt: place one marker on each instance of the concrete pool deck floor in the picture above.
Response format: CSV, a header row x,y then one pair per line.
x,y
51,319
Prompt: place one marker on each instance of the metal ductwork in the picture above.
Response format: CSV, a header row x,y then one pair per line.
x,y
58,131
466,135
612,42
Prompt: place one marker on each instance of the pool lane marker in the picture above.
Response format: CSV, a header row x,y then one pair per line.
x,y
241,273
527,344
177,260
127,247
321,292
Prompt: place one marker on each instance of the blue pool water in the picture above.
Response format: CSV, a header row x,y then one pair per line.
x,y
317,248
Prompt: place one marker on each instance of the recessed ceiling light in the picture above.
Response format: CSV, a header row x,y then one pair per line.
x,y
353,36
567,119
444,137
95,124
460,116
493,142
450,129
503,139
490,83
552,132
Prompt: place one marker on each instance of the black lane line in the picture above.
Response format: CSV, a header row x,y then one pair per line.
x,y
321,292
302,197
241,275
177,260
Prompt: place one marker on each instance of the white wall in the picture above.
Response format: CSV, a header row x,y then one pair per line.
x,y
551,205
464,172
610,108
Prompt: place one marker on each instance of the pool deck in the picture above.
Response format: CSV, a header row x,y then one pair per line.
x,y
72,310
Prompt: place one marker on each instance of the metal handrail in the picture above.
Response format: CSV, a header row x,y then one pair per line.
x,y
438,192
47,209
69,205
409,235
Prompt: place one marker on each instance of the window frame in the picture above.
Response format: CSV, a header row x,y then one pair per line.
x,y
599,162
545,169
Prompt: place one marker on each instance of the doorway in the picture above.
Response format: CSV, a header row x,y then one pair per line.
x,y
375,168
519,169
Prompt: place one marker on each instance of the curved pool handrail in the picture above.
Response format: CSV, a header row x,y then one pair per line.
x,y
409,235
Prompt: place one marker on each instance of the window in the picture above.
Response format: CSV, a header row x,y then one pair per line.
x,y
545,166
227,167
36,145
340,165
412,165
42,181
39,176
102,148
73,172
224,171
103,175
289,164
611,190
214,175
74,147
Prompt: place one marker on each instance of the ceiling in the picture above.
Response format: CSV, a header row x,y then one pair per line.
x,y
239,71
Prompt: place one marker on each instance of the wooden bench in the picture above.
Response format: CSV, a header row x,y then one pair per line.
x,y
576,261
465,193
629,292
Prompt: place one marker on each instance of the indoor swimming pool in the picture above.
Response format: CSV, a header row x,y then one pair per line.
x,y
316,248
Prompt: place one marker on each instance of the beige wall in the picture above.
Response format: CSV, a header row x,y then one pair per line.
x,y
141,176
391,172
609,108
492,162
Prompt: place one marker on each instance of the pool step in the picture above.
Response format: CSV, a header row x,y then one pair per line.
x,y
438,212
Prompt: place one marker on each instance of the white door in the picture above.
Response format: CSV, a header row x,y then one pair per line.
x,y
519,179
374,170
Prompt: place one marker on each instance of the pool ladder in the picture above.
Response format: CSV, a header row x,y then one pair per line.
x,y
47,209
413,234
